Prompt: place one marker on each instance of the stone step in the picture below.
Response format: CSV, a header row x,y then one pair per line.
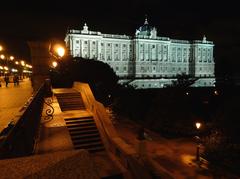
x,y
84,123
81,124
72,108
72,120
84,136
83,132
81,128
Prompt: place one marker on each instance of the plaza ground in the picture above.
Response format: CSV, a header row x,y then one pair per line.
x,y
12,99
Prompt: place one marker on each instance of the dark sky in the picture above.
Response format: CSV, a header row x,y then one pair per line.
x,y
219,21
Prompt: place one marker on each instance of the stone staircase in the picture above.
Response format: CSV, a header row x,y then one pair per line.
x,y
84,133
70,101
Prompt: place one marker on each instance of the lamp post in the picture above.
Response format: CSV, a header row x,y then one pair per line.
x,y
198,126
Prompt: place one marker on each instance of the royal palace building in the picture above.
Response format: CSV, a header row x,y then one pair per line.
x,y
146,60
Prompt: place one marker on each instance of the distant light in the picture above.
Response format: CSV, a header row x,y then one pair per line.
x,y
187,93
16,62
1,67
22,63
216,92
198,125
11,57
60,51
2,56
54,64
1,48
5,68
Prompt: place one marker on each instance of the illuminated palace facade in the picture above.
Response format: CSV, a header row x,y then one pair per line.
x,y
146,60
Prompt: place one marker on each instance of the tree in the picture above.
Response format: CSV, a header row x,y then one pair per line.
x,y
100,76
183,81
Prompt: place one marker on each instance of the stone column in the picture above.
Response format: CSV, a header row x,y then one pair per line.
x,y
40,61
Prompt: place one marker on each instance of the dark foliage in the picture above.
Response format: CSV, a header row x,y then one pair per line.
x,y
183,81
100,76
169,111
61,75
222,145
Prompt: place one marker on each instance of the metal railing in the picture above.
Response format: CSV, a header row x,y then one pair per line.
x,y
20,139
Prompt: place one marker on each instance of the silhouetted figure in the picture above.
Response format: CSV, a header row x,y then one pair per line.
x,y
6,79
15,80
142,142
0,81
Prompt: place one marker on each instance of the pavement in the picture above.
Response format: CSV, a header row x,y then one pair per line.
x,y
12,98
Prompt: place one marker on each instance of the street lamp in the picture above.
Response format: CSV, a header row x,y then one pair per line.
x,y
198,126
54,64
11,58
2,57
57,51
60,51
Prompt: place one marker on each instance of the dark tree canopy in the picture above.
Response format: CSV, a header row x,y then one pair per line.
x,y
100,76
183,81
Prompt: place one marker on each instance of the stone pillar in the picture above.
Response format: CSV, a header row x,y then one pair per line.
x,y
40,61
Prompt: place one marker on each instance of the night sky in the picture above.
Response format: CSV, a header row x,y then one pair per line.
x,y
187,20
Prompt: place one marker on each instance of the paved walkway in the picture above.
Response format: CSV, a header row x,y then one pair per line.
x,y
177,156
12,98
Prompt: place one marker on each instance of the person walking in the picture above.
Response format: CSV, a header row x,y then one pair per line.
x,y
6,79
142,142
0,81
17,80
